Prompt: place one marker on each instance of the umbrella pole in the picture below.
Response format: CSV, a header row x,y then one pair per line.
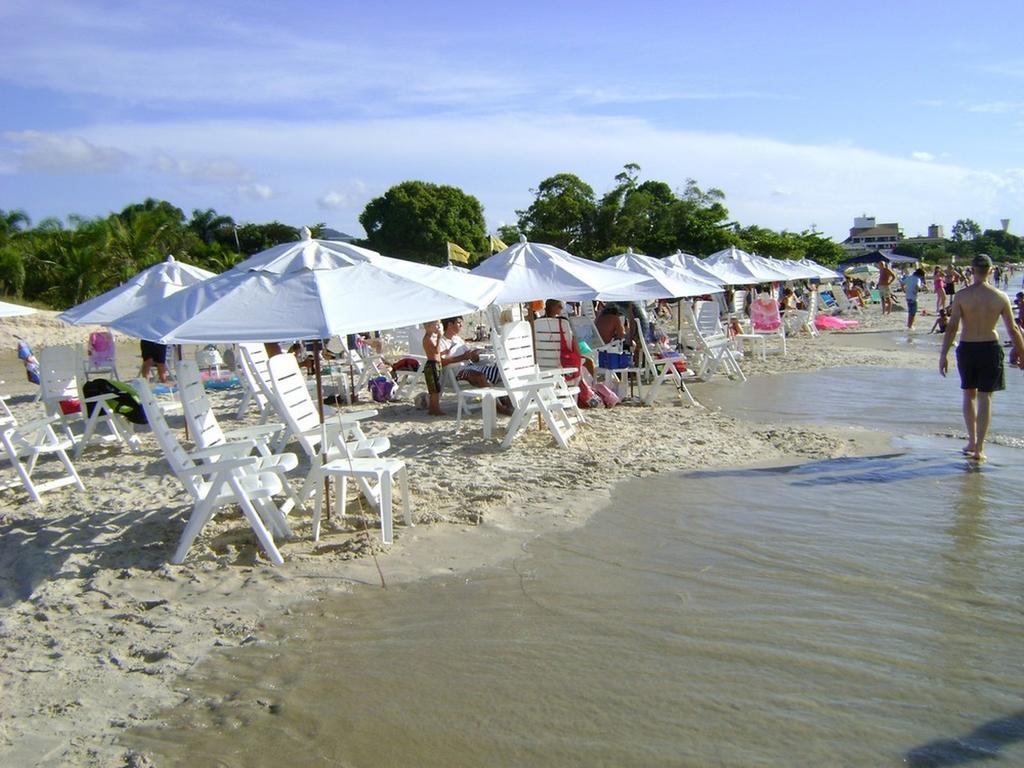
x,y
178,355
320,408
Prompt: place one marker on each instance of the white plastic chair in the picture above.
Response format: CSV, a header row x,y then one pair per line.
x,y
531,390
766,319
292,401
712,347
100,357
206,431
218,477
664,371
252,362
23,445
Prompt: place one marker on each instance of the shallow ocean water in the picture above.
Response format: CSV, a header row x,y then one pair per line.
x,y
862,612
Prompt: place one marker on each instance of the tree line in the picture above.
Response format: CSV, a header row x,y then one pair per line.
x,y
61,264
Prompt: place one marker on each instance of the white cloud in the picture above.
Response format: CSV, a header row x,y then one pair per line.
x,y
255,191
351,196
924,157
38,152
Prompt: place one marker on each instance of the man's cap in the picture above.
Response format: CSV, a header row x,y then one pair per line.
x,y
982,261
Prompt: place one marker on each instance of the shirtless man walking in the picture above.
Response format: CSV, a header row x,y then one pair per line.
x,y
979,355
886,277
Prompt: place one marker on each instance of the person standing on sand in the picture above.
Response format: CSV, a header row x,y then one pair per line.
x,y
886,277
911,284
979,355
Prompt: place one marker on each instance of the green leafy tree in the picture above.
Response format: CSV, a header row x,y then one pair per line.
x,y
965,230
253,238
416,219
562,214
702,220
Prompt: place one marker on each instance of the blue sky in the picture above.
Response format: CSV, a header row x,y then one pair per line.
x,y
802,113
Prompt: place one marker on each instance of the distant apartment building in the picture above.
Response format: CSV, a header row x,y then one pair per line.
x,y
936,236
867,235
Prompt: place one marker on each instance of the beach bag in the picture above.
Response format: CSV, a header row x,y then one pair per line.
x,y
381,388
567,356
67,407
122,399
607,395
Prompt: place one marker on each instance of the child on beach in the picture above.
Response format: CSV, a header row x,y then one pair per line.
x,y
432,367
940,322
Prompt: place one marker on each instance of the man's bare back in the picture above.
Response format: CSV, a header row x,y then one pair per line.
x,y
978,308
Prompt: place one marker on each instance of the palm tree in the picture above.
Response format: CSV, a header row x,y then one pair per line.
x,y
206,224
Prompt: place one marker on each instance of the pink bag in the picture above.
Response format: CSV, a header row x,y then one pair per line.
x,y
608,397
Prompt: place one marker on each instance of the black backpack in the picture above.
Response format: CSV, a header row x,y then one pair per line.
x,y
122,400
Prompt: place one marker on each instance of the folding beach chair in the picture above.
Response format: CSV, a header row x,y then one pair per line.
x,y
219,477
23,445
531,390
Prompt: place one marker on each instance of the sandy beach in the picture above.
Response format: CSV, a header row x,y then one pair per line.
x,y
96,627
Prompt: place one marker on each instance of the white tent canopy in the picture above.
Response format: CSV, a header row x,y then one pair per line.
x,y
14,310
533,271
691,265
736,267
661,280
150,285
311,289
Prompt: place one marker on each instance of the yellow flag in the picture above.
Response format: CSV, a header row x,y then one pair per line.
x,y
455,253
496,244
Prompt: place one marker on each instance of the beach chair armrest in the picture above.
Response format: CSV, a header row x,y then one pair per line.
x,y
37,424
254,432
214,467
237,449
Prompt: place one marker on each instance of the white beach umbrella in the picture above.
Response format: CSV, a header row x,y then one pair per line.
x,y
793,267
693,266
14,310
661,278
824,273
150,285
533,271
311,289
737,267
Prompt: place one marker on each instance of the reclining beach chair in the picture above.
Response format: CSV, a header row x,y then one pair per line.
x,y
548,333
206,432
712,348
827,302
23,445
302,422
664,371
531,390
846,306
100,355
251,359
796,320
61,378
218,477
766,319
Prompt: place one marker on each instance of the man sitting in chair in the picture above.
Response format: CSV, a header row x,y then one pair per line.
x,y
454,349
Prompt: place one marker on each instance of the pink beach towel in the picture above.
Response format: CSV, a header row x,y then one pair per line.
x,y
828,323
